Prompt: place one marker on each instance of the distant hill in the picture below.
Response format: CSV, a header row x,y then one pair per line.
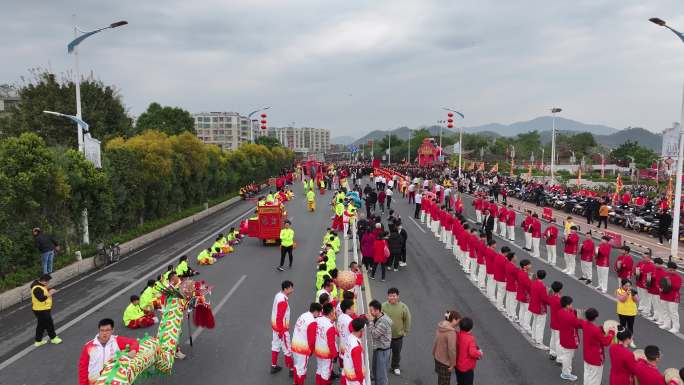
x,y
401,133
344,140
644,137
543,123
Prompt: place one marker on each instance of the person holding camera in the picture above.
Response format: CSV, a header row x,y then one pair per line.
x,y
627,306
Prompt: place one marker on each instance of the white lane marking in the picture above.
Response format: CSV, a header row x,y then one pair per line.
x,y
417,225
114,296
225,299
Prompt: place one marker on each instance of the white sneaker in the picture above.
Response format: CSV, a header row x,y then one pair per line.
x,y
397,372
663,326
402,264
568,377
632,345
673,330
180,355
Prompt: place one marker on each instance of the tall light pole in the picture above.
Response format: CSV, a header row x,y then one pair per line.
x,y
674,242
554,111
408,156
249,118
460,138
72,47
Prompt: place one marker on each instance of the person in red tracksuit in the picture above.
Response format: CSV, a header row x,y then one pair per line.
x,y
570,251
304,341
525,224
622,361
523,295
551,236
536,235
456,229
473,247
500,262
503,214
646,371
643,271
654,290
669,299
602,263
594,341
490,255
537,307
553,300
280,323
624,265
510,223
481,260
587,258
568,323
511,286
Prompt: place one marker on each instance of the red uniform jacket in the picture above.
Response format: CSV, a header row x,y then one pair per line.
x,y
523,292
538,297
603,255
622,365
571,243
503,214
587,250
84,360
624,272
510,219
551,234
554,306
648,374
594,342
489,260
500,263
473,243
658,273
481,252
644,268
567,328
467,352
511,277
536,228
675,285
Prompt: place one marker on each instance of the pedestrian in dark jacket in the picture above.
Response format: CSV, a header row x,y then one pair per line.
x,y
404,239
46,247
664,222
394,243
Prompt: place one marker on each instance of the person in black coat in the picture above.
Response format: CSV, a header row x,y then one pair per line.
x,y
664,222
394,244
488,224
404,239
589,211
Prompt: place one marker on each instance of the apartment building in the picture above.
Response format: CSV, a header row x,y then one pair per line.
x,y
225,129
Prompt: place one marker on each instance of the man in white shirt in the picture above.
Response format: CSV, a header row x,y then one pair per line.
x,y
388,198
419,199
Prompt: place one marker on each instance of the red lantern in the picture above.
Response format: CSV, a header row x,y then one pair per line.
x,y
264,127
450,120
450,125
263,115
263,121
450,114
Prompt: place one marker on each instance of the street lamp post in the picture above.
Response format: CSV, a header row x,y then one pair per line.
x,y
249,118
408,156
72,47
554,111
674,242
460,138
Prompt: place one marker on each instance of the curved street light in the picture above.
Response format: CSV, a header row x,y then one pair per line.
x,y
554,111
249,118
674,242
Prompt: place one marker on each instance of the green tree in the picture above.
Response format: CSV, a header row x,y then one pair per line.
x,y
268,141
169,120
643,157
102,109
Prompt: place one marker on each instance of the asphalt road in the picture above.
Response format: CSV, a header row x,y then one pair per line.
x,y
237,350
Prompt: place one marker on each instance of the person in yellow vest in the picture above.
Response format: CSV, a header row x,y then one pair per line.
x,y
205,258
338,221
311,184
135,317
41,304
150,297
270,198
335,242
261,201
183,269
311,200
321,274
287,235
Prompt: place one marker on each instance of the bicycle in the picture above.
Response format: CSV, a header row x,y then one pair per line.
x,y
106,254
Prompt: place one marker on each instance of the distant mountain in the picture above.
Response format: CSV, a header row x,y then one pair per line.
x,y
401,133
543,123
344,140
644,137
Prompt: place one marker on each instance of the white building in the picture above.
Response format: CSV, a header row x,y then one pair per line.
x,y
227,130
302,139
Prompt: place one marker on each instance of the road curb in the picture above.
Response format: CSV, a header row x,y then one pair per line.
x,y
21,293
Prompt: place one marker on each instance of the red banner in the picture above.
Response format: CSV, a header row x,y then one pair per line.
x,y
615,238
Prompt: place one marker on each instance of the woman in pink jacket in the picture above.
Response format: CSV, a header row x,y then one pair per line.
x,y
380,254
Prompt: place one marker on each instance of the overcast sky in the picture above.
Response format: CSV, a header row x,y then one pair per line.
x,y
357,65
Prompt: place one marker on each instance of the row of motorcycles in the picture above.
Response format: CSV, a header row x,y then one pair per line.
x,y
642,219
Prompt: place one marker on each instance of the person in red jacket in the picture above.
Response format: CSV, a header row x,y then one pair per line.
x,y
503,214
535,226
101,349
526,229
467,353
463,248
643,272
568,323
587,258
646,371
477,204
354,371
304,341
594,341
490,255
380,255
447,238
551,237
473,247
500,262
554,305
280,324
654,290
624,265
510,223
622,361
669,298
511,286
481,260
537,307
523,295
326,344
602,263
570,251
